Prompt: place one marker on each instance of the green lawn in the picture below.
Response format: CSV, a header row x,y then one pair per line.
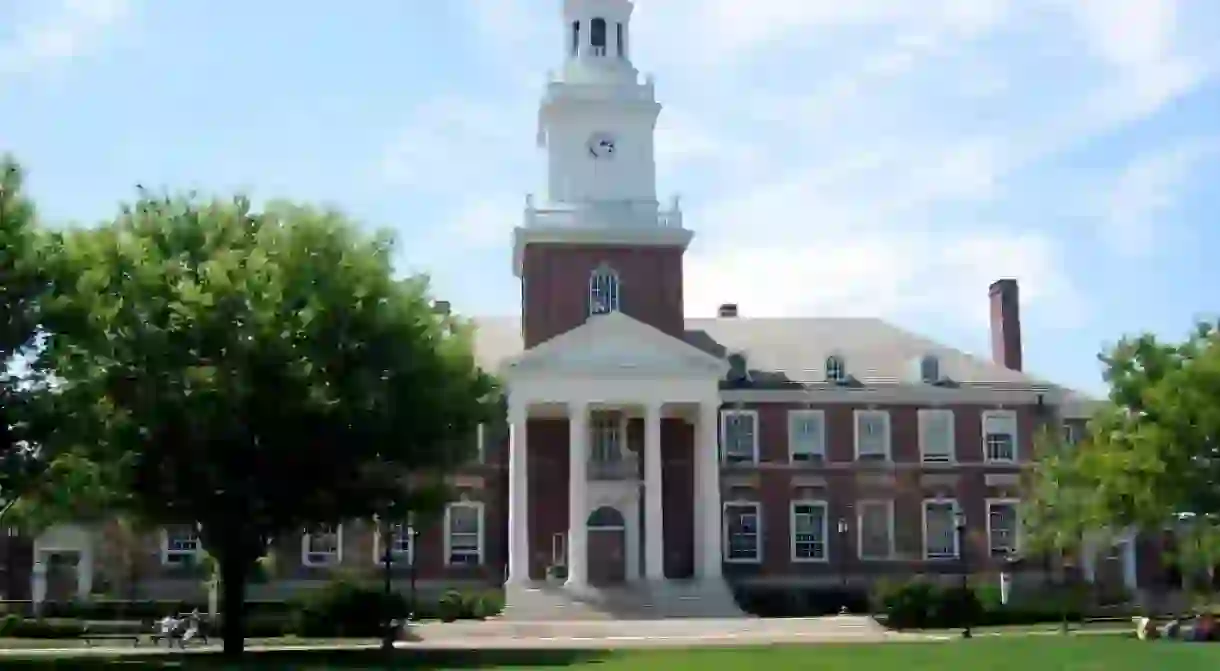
x,y
996,654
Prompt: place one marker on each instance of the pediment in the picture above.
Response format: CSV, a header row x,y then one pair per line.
x,y
615,344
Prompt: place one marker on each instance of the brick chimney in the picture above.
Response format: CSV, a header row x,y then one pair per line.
x,y
1005,323
728,310
441,307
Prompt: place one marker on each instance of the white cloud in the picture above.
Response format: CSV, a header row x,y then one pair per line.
x,y
1134,209
59,32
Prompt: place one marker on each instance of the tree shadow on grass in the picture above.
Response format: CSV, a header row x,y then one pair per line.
x,y
295,660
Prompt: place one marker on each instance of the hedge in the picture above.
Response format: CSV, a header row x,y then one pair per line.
x,y
920,604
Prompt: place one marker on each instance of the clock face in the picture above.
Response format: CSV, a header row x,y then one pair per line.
x,y
601,145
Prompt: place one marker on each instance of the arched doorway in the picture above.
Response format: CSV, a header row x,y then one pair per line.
x,y
607,543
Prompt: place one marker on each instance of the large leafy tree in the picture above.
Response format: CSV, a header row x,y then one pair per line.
x,y
255,373
21,285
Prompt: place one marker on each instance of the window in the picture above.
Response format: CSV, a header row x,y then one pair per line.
x,y
603,291
808,520
323,546
872,435
597,36
936,444
929,369
1069,434
179,544
1002,527
1000,435
622,47
940,529
402,544
575,38
739,435
875,526
807,436
836,370
742,533
606,435
464,533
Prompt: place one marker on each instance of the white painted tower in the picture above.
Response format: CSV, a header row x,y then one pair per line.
x,y
597,122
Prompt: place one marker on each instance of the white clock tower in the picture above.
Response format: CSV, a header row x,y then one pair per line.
x,y
597,123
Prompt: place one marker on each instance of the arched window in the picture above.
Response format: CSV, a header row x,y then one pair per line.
x,y
597,36
929,368
606,517
836,370
603,291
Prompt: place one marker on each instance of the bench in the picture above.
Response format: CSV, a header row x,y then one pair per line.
x,y
90,636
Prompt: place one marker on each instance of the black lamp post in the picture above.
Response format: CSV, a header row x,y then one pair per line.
x,y
842,552
387,562
959,523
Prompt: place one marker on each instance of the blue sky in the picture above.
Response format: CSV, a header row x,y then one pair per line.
x,y
872,157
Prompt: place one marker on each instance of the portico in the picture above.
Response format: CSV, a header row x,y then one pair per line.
x,y
599,376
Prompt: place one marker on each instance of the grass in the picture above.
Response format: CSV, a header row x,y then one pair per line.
x,y
994,654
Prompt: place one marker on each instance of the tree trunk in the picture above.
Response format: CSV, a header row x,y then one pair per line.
x,y
234,570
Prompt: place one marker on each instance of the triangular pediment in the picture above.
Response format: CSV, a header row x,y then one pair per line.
x,y
615,344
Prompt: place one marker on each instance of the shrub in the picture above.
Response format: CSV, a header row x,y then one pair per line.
x,y
344,608
45,628
9,624
801,602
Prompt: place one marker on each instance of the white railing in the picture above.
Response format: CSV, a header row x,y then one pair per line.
x,y
598,214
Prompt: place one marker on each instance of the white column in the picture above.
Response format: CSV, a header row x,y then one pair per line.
x,y
1088,559
578,504
38,582
654,525
707,484
84,570
518,495
632,513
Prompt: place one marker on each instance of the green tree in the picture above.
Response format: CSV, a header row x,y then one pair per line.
x,y
256,373
21,285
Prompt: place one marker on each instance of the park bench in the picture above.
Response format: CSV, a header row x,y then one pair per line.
x,y
90,636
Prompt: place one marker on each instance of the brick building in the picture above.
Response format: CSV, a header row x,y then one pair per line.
x,y
673,455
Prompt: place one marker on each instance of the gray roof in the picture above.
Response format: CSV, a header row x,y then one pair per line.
x,y
794,350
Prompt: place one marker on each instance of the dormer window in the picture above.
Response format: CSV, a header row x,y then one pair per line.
x,y
929,369
603,291
836,370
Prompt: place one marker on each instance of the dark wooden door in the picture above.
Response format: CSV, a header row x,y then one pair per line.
x,y
607,557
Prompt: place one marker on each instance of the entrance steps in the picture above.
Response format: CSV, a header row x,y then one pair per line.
x,y
551,601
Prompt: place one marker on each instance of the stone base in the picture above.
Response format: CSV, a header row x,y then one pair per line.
x,y
541,601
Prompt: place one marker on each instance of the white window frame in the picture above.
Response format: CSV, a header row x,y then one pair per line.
x,y
1011,417
857,416
1069,434
398,531
758,531
955,508
481,549
724,435
891,530
925,415
605,280
795,419
310,557
1016,532
559,550
173,556
479,451
825,542
838,371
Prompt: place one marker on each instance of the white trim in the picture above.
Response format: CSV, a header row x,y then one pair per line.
x,y
955,509
559,549
889,436
891,528
395,557
758,531
482,533
480,450
796,416
1007,415
890,391
825,531
337,555
724,426
166,553
1016,506
607,274
924,415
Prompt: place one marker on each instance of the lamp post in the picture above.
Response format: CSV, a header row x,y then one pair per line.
x,y
842,552
959,523
387,562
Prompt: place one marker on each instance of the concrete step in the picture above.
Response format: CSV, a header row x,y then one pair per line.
x,y
671,599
